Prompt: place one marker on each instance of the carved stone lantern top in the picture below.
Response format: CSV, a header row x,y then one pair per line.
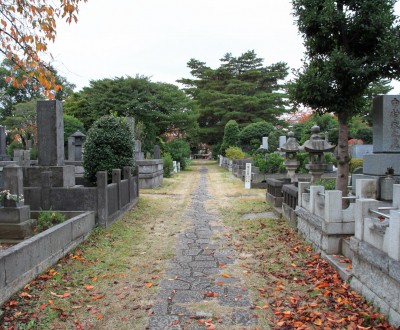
x,y
316,144
291,144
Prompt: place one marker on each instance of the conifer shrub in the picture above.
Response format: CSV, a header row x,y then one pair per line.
x,y
168,165
180,151
109,145
234,153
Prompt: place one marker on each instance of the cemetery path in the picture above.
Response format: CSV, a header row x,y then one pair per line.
x,y
196,292
200,252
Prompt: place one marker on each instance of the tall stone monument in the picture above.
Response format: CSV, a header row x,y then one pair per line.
x,y
385,158
386,136
50,126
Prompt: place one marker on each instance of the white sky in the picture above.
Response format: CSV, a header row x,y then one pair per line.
x,y
157,38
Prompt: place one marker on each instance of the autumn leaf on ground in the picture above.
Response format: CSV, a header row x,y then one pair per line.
x,y
149,284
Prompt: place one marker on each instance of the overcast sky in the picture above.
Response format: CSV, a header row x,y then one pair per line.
x,y
157,38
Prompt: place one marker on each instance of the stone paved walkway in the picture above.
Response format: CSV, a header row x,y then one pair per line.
x,y
195,287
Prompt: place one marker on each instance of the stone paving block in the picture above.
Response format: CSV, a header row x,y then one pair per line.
x,y
174,284
162,322
244,317
186,296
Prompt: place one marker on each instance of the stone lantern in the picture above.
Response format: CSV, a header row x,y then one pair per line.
x,y
291,148
316,147
75,146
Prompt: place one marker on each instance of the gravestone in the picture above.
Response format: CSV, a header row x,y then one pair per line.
x,y
386,146
157,153
75,146
175,166
139,155
264,143
282,143
386,136
15,222
50,126
3,146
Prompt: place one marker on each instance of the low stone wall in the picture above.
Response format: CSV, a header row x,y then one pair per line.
x,y
377,277
151,173
289,204
321,219
107,201
274,195
24,261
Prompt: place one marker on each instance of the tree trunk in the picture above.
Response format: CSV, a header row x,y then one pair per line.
x,y
343,158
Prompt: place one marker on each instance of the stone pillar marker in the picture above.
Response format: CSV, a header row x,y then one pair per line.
x,y
175,166
265,143
50,123
13,181
157,153
3,146
247,178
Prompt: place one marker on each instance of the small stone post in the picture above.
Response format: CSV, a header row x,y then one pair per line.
x,y
247,179
157,153
102,198
3,146
116,178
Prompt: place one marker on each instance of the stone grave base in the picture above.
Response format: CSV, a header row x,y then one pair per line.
x,y
376,164
62,176
17,231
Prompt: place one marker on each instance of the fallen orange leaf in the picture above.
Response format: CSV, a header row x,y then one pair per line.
x,y
100,316
149,285
226,275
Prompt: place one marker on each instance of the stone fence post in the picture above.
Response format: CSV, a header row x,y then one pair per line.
x,y
116,178
102,198
333,206
362,211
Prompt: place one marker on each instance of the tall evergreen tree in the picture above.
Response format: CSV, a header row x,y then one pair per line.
x,y
240,89
350,44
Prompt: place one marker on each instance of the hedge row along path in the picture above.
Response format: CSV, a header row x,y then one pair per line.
x,y
201,252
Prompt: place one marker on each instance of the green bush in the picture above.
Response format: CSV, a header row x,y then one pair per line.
x,y
234,153
354,163
231,136
302,158
328,184
274,163
252,134
14,145
47,219
260,162
109,145
179,150
71,125
168,165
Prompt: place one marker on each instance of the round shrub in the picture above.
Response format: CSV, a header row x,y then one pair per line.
x,y
231,136
109,145
251,136
168,165
275,163
234,153
354,163
180,151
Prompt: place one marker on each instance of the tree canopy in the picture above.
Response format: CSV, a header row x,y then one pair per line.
x,y
11,95
26,29
161,108
240,89
350,44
